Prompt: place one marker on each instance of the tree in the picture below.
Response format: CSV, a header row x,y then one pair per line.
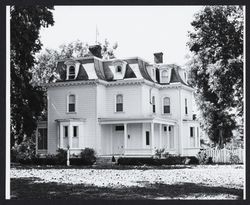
x,y
217,68
26,99
44,70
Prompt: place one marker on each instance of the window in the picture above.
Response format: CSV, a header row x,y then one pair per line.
x,y
164,75
191,131
75,131
153,102
42,138
165,129
119,128
147,137
119,69
71,73
65,131
119,103
169,128
186,108
166,105
192,139
185,76
72,103
153,73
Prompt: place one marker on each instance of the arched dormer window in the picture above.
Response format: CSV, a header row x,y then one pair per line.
x,y
72,103
166,105
164,76
153,103
118,69
72,73
119,103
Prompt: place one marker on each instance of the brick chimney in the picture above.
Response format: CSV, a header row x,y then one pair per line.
x,y
96,50
158,57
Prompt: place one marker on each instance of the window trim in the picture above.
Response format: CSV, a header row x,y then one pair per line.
x,y
162,107
147,138
46,144
116,111
166,78
186,107
64,126
71,112
153,104
69,74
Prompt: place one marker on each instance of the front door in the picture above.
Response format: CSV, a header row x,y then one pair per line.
x,y
118,140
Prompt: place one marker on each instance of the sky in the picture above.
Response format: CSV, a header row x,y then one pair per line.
x,y
138,30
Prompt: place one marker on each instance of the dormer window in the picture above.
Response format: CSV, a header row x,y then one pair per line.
x,y
118,69
72,73
164,76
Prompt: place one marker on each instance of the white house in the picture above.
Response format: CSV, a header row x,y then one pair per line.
x,y
126,107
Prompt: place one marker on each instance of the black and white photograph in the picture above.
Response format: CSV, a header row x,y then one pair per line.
x,y
125,102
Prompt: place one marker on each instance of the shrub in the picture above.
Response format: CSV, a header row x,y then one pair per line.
x,y
88,156
61,156
234,159
171,160
203,158
159,152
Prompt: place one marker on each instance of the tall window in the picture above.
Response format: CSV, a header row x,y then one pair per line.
x,y
153,103
72,103
65,131
42,138
192,139
186,107
75,131
71,73
166,105
164,76
119,103
147,137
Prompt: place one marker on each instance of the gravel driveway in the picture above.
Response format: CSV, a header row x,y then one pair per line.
x,y
229,177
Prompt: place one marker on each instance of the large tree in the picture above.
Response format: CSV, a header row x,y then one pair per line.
x,y
26,99
217,68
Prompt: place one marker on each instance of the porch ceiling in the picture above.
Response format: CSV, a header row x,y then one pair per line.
x,y
106,121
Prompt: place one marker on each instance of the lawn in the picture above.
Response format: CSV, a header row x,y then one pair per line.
x,y
191,182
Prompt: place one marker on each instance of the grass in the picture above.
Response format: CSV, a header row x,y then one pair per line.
x,y
25,188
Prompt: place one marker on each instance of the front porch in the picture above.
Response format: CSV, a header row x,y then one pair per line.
x,y
139,137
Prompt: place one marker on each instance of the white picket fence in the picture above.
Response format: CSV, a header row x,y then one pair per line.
x,y
223,155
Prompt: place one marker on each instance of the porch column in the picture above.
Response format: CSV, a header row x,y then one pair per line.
x,y
70,136
152,138
125,136
168,137
160,133
61,135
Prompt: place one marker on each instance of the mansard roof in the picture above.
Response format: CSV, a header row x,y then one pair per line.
x,y
135,68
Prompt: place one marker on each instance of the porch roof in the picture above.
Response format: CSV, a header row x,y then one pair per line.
x,y
71,120
150,119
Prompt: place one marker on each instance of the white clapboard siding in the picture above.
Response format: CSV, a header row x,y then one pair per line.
x,y
223,155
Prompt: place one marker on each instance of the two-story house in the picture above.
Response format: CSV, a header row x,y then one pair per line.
x,y
126,107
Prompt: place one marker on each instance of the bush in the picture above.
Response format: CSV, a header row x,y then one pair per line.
x,y
159,152
88,156
203,158
171,160
61,156
24,152
234,159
